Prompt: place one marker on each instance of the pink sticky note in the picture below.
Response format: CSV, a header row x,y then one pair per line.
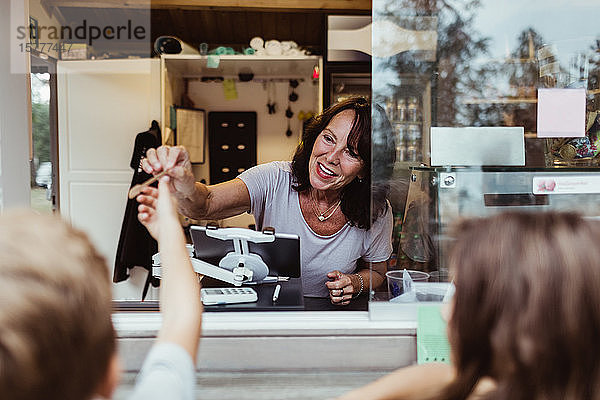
x,y
561,113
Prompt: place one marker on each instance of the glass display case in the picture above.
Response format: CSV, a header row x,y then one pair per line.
x,y
439,197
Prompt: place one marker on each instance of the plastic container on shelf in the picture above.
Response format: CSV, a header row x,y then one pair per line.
x,y
414,132
412,109
390,109
401,133
401,152
416,144
412,153
401,109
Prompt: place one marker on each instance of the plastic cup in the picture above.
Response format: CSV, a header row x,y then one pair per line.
x,y
394,281
203,48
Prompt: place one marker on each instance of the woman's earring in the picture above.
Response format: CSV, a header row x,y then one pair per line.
x,y
360,180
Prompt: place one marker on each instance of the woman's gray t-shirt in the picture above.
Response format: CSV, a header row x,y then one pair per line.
x,y
274,203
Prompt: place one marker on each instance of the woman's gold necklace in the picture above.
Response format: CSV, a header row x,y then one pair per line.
x,y
325,215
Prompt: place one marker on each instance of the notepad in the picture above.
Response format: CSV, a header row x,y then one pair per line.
x,y
432,340
229,89
190,132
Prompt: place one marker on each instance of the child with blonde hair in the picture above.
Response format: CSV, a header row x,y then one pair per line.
x,y
57,340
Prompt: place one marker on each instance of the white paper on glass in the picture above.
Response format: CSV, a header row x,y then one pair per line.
x,y
477,146
561,113
570,184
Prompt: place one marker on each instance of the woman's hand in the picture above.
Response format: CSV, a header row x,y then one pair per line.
x,y
176,161
157,209
342,287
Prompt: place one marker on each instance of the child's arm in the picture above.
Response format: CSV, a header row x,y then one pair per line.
x,y
180,303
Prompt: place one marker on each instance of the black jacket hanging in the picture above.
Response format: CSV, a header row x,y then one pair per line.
x,y
136,246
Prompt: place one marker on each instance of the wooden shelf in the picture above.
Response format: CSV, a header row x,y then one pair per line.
x,y
501,101
395,121
521,100
192,66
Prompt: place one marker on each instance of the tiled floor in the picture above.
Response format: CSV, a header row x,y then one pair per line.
x,y
268,385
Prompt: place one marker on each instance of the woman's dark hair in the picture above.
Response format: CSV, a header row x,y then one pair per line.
x,y
355,196
527,307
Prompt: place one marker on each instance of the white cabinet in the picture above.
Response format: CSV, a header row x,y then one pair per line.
x,y
102,105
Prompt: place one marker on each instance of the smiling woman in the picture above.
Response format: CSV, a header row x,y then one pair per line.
x,y
323,196
334,160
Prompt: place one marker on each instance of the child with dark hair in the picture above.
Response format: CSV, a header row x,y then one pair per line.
x,y
525,316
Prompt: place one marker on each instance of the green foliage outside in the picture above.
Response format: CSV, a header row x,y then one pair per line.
x,y
40,116
41,131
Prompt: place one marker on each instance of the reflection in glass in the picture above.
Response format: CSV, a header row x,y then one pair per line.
x,y
41,171
485,69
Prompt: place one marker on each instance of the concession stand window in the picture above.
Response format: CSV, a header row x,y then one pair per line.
x,y
425,73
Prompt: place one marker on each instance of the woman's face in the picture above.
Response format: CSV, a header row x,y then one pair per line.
x,y
332,165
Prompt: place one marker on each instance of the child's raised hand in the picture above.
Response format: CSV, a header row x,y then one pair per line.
x,y
157,209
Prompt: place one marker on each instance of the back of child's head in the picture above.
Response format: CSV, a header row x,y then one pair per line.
x,y
56,335
527,306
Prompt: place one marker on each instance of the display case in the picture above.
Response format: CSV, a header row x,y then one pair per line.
x,y
439,197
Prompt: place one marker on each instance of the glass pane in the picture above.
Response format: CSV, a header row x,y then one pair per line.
x,y
41,171
479,64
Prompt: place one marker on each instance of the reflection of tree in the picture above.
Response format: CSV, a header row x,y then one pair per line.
x,y
458,45
594,78
41,131
514,80
40,119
